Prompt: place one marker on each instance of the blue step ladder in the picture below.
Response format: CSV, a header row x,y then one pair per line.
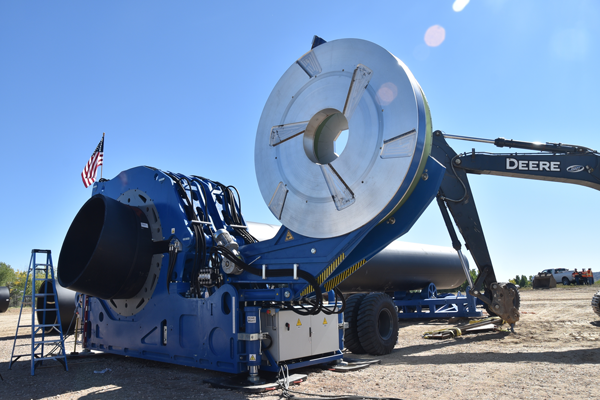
x,y
41,340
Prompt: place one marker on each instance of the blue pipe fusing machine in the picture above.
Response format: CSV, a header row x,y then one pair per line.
x,y
163,263
165,268
171,274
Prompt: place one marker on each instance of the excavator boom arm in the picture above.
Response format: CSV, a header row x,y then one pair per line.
x,y
554,162
579,168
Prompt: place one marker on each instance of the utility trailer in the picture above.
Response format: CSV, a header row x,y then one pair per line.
x,y
429,304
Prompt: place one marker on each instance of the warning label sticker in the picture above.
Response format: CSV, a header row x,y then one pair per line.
x,y
252,357
324,321
289,236
299,323
251,319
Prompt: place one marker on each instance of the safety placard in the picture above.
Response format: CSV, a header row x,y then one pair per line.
x,y
288,236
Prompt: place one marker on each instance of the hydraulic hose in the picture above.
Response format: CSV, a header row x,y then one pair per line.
x,y
278,273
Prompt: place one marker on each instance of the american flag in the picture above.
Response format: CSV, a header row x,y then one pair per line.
x,y
91,168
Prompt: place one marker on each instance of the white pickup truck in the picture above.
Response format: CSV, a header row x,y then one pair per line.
x,y
565,276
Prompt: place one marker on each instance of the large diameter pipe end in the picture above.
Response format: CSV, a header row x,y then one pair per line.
x,y
54,304
107,251
4,298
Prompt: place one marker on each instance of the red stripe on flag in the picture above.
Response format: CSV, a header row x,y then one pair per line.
x,y
90,171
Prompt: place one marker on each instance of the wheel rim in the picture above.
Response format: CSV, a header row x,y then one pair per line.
x,y
384,324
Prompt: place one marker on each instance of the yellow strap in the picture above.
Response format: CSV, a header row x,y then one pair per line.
x,y
488,319
453,332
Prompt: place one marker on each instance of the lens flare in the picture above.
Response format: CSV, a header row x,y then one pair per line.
x,y
435,35
459,5
387,93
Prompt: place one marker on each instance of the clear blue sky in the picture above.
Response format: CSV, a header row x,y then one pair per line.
x,y
181,86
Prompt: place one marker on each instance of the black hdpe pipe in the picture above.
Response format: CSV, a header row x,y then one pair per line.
x,y
65,308
4,298
399,266
107,251
407,266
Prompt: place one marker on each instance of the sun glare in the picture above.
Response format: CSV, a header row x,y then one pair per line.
x,y
387,93
435,35
459,5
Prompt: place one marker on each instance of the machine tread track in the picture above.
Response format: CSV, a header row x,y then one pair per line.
x,y
377,324
351,340
596,303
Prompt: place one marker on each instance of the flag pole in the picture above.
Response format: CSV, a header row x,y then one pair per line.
x,y
102,165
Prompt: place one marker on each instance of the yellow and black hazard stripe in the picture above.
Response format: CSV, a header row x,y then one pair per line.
x,y
339,278
325,274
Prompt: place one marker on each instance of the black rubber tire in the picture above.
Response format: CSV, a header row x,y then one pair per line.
x,y
596,303
377,324
566,281
351,341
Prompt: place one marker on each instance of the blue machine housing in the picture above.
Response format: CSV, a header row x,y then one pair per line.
x,y
189,310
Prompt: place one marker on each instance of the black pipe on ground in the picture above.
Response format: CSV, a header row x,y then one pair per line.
x,y
407,266
399,266
4,298
66,307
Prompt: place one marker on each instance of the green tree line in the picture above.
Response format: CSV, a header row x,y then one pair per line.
x,y
474,275
15,281
522,281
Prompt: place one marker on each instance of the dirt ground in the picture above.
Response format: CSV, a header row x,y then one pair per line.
x,y
554,354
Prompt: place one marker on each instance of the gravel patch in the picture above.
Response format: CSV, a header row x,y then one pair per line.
x,y
553,354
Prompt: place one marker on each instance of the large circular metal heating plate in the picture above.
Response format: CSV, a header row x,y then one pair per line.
x,y
343,84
